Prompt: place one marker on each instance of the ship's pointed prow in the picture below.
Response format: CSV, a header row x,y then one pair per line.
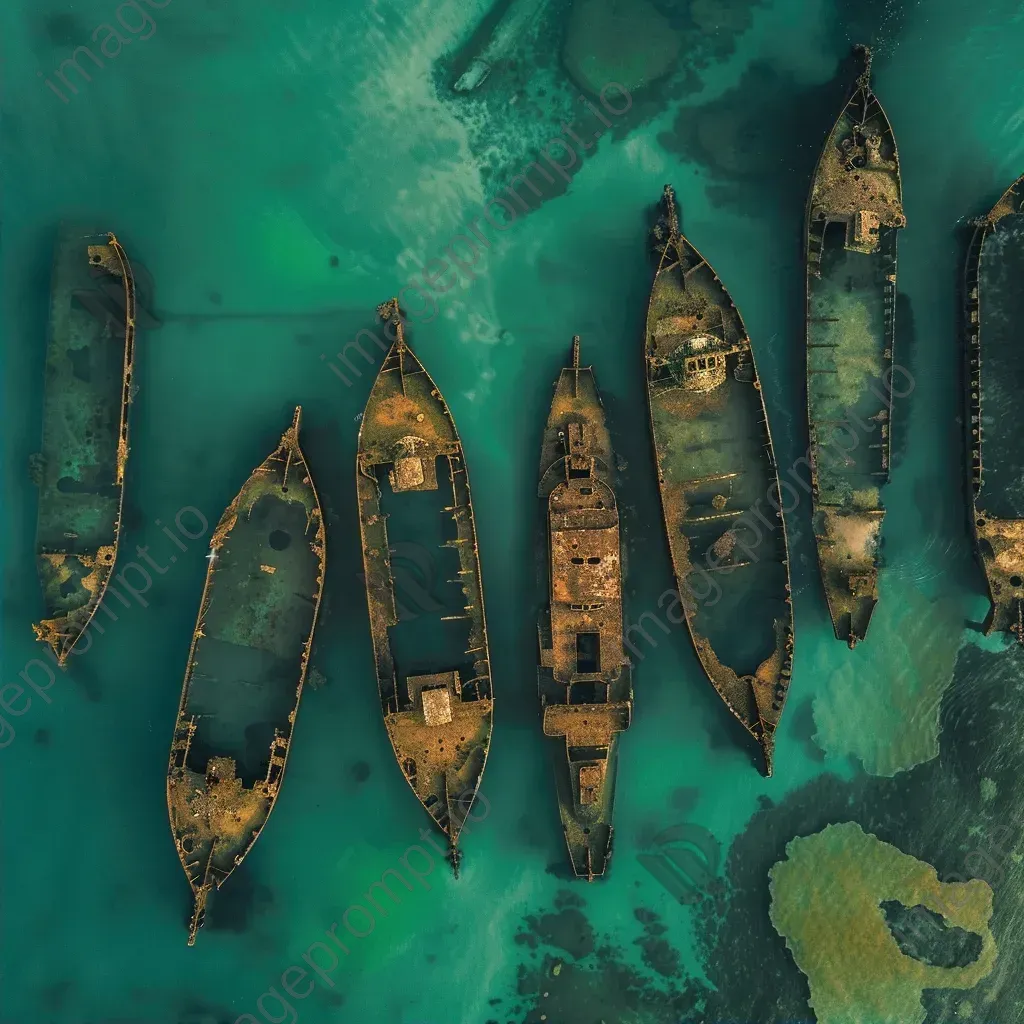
x,y
864,78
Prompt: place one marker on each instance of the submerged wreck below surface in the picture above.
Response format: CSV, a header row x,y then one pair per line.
x,y
719,483
246,668
433,670
854,211
585,679
87,399
994,380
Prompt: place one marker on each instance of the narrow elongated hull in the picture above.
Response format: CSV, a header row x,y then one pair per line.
x,y
854,212
585,679
433,671
246,668
719,485
80,468
994,379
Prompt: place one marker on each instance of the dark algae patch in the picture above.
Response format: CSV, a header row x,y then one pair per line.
x,y
658,954
924,935
575,976
553,73
566,928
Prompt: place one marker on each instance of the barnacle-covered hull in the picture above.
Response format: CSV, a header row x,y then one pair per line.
x,y
718,483
585,679
854,212
433,670
246,668
994,379
80,467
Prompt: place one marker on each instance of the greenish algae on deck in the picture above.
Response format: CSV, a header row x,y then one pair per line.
x,y
87,399
826,901
719,484
585,678
248,662
994,379
854,211
434,684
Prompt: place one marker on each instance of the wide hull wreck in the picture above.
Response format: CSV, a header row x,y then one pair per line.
x,y
433,670
585,679
246,668
854,211
87,399
994,381
719,484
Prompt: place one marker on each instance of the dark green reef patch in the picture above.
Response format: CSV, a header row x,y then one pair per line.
x,y
597,67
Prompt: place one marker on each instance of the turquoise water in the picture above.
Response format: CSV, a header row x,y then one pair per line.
x,y
235,151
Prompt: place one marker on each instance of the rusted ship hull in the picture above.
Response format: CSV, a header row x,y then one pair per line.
x,y
87,399
433,670
994,378
719,484
854,212
246,668
585,679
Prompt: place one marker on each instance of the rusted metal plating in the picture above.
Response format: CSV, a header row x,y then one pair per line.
x,y
246,668
439,723
717,477
585,678
854,211
82,483
993,319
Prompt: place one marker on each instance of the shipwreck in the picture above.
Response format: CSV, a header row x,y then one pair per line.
x,y
432,664
585,679
994,379
87,400
854,212
246,669
719,483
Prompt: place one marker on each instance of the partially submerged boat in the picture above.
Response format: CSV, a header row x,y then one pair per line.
x,y
994,381
86,405
433,670
585,679
854,211
246,668
719,484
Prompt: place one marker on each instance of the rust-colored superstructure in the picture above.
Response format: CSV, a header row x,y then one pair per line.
x,y
585,679
433,671
80,468
994,378
246,668
719,484
854,212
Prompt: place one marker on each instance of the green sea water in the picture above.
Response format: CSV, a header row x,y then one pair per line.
x,y
280,168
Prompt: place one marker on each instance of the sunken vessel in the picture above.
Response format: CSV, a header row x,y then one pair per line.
x,y
994,381
719,484
87,400
423,587
854,212
246,668
584,677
